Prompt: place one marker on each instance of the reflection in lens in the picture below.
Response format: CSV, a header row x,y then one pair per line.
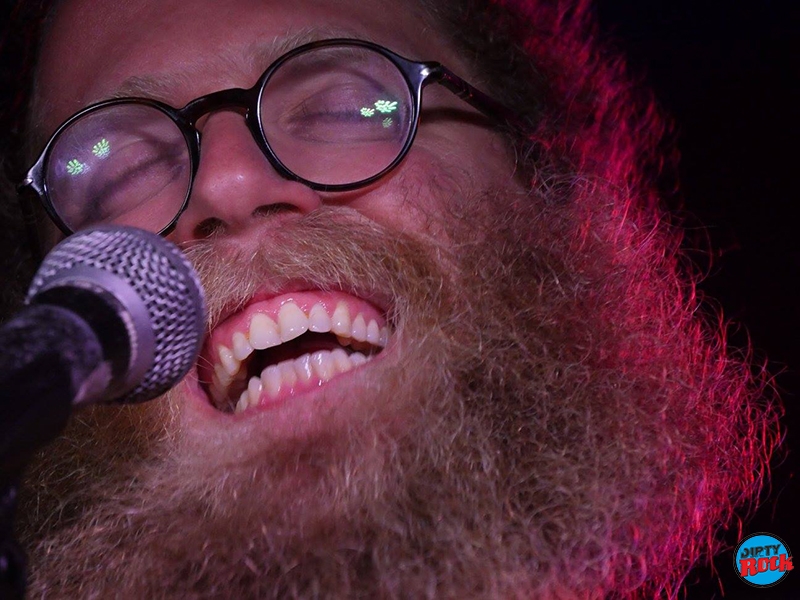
x,y
337,115
126,163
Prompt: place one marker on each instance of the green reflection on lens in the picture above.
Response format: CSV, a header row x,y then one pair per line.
x,y
75,167
367,112
387,122
101,149
385,106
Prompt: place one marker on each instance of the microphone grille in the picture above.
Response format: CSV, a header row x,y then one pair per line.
x,y
162,278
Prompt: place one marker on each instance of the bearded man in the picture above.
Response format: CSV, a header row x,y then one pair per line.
x,y
470,366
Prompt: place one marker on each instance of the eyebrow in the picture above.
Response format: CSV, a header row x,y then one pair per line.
x,y
258,56
161,86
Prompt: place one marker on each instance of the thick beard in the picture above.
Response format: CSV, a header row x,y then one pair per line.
x,y
517,441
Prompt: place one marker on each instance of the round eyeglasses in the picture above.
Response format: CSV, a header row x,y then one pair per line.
x,y
335,115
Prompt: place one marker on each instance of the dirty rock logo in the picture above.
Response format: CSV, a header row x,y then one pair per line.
x,y
762,560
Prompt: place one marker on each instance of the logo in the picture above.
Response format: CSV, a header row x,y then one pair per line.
x,y
762,560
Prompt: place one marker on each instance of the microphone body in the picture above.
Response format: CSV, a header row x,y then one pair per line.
x,y
114,314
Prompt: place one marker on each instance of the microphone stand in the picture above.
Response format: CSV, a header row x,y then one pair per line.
x,y
47,356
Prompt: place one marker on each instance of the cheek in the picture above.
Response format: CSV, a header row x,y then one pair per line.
x,y
413,197
443,173
469,159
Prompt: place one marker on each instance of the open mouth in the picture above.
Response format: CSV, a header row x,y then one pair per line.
x,y
279,347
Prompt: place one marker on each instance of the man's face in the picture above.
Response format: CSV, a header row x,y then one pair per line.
x,y
178,51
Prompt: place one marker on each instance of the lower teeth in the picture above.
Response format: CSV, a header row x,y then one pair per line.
x,y
323,365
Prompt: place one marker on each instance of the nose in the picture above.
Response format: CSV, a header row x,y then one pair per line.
x,y
236,189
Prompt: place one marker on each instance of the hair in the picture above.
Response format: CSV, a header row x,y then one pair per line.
x,y
597,154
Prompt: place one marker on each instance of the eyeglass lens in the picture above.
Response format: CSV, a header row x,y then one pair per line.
x,y
337,115
127,164
332,115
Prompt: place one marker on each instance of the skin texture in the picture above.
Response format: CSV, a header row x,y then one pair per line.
x,y
548,402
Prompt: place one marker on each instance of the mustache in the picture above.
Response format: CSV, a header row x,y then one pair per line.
x,y
329,249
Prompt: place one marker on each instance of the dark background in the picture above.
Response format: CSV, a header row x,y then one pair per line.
x,y
729,74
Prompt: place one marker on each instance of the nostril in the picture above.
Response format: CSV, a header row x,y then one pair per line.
x,y
213,225
208,227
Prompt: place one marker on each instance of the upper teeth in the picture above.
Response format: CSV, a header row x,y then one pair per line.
x,y
292,321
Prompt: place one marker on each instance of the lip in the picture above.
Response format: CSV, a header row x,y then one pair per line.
x,y
345,401
304,399
379,300
270,305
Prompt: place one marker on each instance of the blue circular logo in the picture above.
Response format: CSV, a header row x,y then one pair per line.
x,y
762,560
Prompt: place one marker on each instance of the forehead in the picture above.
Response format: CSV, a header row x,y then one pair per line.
x,y
93,49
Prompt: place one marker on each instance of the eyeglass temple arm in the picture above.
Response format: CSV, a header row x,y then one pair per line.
x,y
476,98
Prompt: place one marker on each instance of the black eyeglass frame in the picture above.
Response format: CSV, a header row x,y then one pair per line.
x,y
417,74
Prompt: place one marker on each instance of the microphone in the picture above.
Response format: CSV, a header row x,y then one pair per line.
x,y
150,287
114,314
